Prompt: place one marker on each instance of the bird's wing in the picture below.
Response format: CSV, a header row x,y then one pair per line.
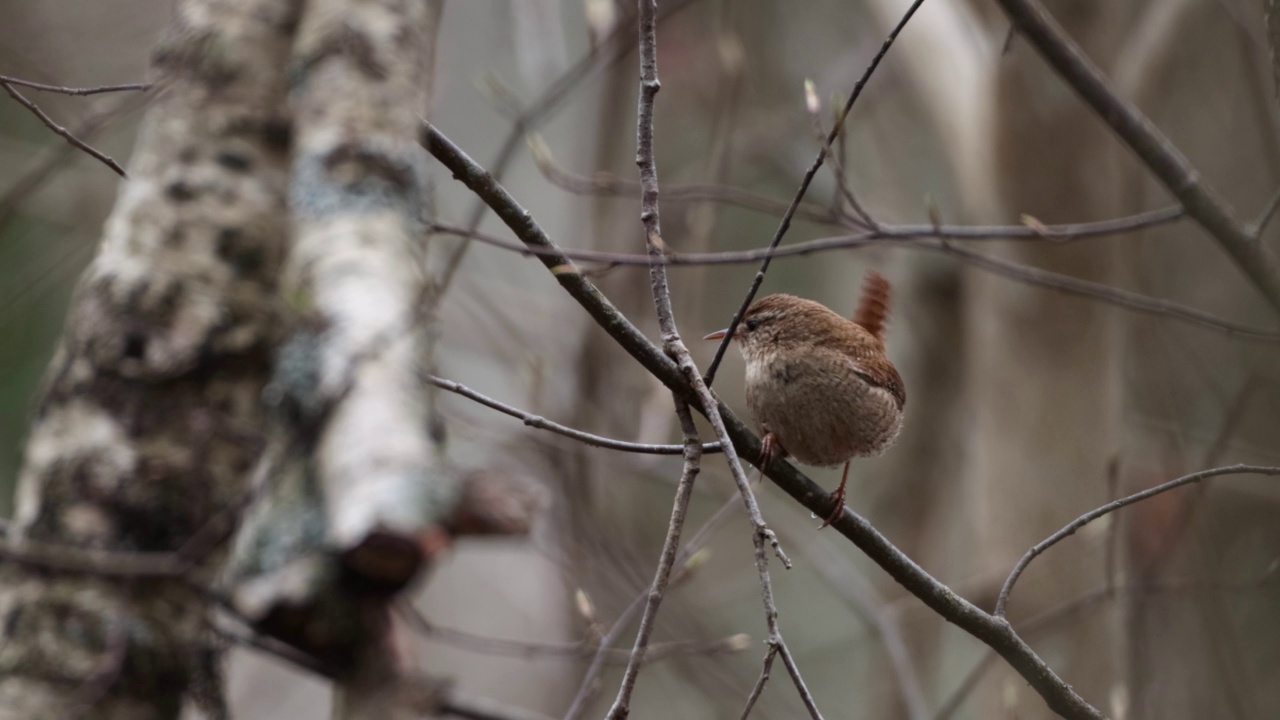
x,y
881,373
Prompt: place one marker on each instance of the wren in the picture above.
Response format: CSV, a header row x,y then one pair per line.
x,y
820,386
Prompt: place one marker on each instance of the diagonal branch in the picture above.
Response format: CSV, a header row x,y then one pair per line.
x,y
1155,150
684,490
995,632
64,133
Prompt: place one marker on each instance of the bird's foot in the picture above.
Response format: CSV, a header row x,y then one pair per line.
x,y
837,499
770,449
837,510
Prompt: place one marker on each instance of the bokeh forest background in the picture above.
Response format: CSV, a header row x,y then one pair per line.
x,y
1027,406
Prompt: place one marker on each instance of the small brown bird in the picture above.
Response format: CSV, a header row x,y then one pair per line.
x,y
820,386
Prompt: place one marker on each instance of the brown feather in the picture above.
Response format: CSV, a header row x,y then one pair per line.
x,y
873,308
880,372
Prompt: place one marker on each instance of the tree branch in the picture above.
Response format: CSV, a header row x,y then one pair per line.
x,y
542,423
993,631
1070,528
911,238
675,348
79,92
64,133
1155,150
666,560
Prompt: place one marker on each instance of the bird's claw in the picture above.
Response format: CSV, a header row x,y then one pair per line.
x,y
837,501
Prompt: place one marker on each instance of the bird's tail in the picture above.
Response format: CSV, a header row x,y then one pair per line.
x,y
873,308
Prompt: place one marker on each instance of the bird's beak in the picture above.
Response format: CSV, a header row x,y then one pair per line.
x,y
717,335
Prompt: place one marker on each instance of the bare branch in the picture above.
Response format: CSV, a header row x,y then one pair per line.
x,y
1164,160
1071,527
886,234
42,168
804,187
696,543
843,189
1099,291
61,131
584,649
911,238
680,506
675,348
1053,615
127,87
542,423
603,184
588,685
758,689
995,632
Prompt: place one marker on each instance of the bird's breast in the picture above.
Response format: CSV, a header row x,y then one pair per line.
x,y
820,410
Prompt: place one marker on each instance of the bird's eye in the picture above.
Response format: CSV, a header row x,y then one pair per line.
x,y
752,325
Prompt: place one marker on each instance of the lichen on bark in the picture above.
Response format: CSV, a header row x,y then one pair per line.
x,y
150,418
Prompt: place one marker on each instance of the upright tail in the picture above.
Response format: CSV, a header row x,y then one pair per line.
x,y
873,308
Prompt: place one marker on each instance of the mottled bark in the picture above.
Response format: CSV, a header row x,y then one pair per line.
x,y
150,419
363,494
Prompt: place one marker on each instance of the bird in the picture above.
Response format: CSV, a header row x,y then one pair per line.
x,y
820,386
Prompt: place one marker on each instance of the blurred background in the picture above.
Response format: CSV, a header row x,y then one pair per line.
x,y
1027,407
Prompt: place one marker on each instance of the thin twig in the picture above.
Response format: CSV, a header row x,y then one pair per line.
x,y
806,697
907,238
1071,527
1053,615
542,423
44,166
843,189
666,560
995,632
804,187
588,685
695,543
758,689
569,651
80,92
1160,155
603,184
61,131
1099,291
1051,233
673,346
